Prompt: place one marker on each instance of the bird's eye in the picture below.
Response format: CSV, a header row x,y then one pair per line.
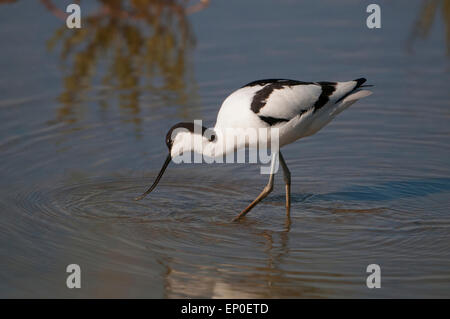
x,y
212,138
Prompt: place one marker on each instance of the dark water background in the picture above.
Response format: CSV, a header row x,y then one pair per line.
x,y
83,117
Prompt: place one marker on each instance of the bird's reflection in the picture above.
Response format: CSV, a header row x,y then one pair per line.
x,y
124,50
266,280
236,278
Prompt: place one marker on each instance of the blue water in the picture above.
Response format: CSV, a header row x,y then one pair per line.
x,y
83,120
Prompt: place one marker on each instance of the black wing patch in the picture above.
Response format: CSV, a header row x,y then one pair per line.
x,y
327,89
272,120
286,82
270,85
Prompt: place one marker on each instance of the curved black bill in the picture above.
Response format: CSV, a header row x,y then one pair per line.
x,y
161,172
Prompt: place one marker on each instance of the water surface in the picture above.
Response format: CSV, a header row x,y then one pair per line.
x,y
83,120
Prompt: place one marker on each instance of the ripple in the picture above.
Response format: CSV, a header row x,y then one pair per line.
x,y
183,229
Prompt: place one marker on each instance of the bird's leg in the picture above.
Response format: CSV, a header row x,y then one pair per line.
x,y
287,180
264,193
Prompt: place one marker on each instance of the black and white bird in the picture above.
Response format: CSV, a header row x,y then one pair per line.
x,y
295,108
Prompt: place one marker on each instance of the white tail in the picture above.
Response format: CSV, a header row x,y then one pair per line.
x,y
349,100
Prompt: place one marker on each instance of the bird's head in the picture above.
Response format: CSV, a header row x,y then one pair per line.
x,y
181,138
186,137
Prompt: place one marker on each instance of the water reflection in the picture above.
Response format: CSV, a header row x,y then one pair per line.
x,y
239,276
124,50
426,17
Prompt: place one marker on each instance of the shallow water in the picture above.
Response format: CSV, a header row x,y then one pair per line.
x,y
81,135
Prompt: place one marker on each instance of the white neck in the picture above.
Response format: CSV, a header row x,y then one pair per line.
x,y
225,142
